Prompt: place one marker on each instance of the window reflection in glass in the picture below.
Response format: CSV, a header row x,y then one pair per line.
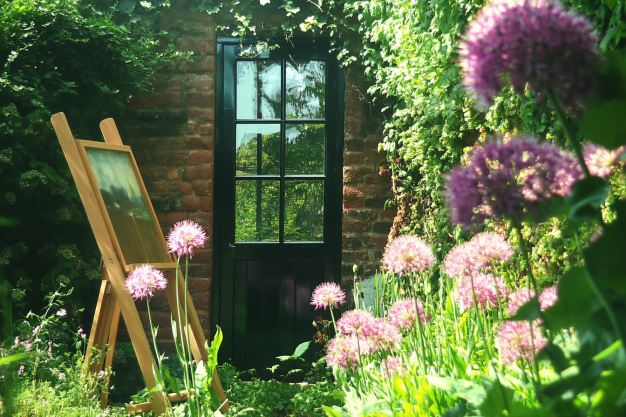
x,y
306,90
304,210
304,149
257,210
258,90
258,149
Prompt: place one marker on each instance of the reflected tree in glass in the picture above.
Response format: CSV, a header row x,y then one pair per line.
x,y
257,210
258,90
258,149
304,149
306,89
304,210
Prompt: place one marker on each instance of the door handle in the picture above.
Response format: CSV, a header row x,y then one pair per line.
x,y
230,245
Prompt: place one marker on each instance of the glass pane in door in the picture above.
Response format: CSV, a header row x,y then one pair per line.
x,y
258,149
304,210
306,89
257,210
258,90
304,149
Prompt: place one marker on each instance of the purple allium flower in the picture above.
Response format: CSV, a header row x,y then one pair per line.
x,y
600,161
356,322
487,289
143,281
596,235
547,298
518,299
20,371
513,341
184,237
408,254
476,255
538,43
328,294
343,351
393,365
509,179
62,312
402,313
382,335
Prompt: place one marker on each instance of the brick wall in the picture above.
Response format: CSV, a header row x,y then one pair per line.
x,y
172,133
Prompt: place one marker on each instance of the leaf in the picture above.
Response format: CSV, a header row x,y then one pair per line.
x,y
126,6
605,123
302,347
473,393
14,358
587,197
529,311
575,301
333,412
459,410
165,370
605,258
612,386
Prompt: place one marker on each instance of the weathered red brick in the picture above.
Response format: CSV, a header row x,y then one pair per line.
x,y
159,187
201,158
202,256
201,99
198,142
351,226
170,99
355,174
175,217
201,301
203,115
138,102
206,203
198,173
352,203
184,188
192,128
190,203
206,130
352,192
350,158
203,187
389,213
173,173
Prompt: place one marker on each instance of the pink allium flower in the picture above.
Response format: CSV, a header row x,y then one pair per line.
x,y
547,298
343,351
382,335
513,341
408,254
476,255
20,371
36,330
184,237
518,299
600,161
328,294
62,312
596,235
487,290
538,43
356,322
509,179
143,281
393,365
402,313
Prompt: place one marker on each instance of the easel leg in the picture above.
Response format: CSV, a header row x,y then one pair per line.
x,y
115,323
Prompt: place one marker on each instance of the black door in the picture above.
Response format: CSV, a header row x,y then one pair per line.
x,y
278,195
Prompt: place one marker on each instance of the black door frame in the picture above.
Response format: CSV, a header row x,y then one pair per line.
x,y
330,250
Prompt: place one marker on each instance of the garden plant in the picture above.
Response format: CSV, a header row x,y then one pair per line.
x,y
503,289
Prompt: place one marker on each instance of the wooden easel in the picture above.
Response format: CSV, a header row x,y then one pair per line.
x,y
114,299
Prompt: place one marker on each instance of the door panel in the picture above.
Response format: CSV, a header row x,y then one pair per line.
x,y
278,192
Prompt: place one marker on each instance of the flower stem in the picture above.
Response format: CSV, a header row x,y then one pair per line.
x,y
332,315
180,332
568,132
598,292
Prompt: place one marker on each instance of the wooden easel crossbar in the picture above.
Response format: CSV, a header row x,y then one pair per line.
x,y
125,242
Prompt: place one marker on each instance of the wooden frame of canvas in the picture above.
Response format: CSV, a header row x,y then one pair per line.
x,y
113,299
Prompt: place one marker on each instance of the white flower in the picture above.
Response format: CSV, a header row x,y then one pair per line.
x,y
62,312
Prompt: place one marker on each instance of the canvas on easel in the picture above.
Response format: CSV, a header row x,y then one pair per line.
x,y
128,235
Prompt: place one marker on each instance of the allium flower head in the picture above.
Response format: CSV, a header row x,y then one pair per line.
x,y
518,299
487,289
547,298
600,161
356,322
513,341
476,255
509,179
382,335
534,42
402,313
408,254
343,351
21,370
184,237
328,294
143,281
393,365
62,312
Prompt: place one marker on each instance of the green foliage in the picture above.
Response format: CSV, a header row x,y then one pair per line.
x,y
57,55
